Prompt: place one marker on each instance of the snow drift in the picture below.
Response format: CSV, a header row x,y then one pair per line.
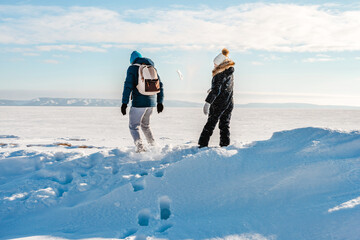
x,y
300,184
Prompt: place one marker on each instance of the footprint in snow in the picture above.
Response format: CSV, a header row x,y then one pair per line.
x,y
129,232
144,217
165,212
138,185
159,173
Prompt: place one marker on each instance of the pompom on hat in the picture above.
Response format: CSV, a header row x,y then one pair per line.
x,y
221,57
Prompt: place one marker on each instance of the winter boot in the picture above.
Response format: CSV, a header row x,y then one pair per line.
x,y
139,147
204,138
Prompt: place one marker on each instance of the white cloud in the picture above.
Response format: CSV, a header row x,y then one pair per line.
x,y
17,59
62,47
271,57
60,56
17,50
311,60
322,58
269,27
51,61
257,63
31,54
69,48
124,46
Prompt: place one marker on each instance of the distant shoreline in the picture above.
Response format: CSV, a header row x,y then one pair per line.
x,y
93,102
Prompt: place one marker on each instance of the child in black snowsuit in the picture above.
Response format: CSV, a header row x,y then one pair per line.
x,y
219,100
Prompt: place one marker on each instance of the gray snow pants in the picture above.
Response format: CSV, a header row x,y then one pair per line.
x,y
140,117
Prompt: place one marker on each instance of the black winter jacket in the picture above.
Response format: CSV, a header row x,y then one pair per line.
x,y
221,94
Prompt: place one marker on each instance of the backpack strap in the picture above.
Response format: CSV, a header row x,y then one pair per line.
x,y
141,66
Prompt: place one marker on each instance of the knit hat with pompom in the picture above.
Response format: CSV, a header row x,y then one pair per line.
x,y
221,57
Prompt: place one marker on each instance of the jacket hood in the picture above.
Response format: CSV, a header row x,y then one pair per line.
x,y
227,64
146,61
134,55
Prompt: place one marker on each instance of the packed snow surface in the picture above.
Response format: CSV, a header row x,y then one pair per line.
x,y
71,173
299,184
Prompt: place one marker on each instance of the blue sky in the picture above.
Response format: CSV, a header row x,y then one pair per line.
x,y
298,51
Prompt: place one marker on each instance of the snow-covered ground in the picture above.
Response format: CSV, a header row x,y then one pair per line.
x,y
106,127
71,173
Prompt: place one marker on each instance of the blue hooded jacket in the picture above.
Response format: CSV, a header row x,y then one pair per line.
x,y
131,81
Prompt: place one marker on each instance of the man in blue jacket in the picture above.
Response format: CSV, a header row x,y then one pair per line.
x,y
142,105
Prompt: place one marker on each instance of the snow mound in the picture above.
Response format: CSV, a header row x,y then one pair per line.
x,y
300,184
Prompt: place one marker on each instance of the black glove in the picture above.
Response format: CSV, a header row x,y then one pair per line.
x,y
160,107
123,108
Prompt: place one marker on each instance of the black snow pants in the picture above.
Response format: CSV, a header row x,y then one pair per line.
x,y
221,115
